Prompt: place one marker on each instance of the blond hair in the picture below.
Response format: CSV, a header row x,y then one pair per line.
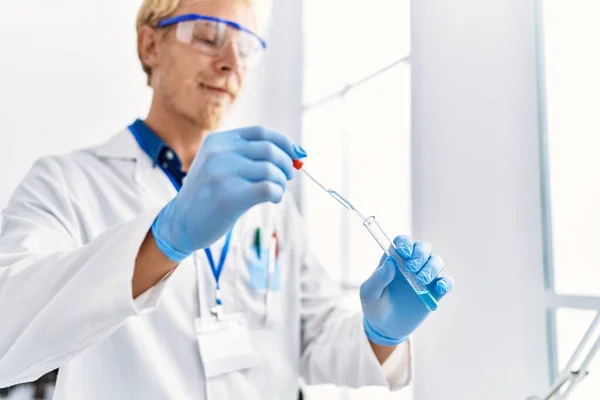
x,y
152,11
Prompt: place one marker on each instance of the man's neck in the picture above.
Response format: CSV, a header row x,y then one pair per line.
x,y
180,134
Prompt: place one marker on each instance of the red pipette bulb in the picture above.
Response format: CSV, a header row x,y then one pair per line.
x,y
298,164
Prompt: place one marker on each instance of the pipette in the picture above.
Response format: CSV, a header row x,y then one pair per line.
x,y
380,237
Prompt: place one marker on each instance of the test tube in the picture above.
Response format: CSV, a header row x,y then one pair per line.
x,y
384,241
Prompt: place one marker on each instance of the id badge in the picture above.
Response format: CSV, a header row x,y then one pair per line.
x,y
224,345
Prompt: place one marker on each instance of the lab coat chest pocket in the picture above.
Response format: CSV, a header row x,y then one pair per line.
x,y
261,282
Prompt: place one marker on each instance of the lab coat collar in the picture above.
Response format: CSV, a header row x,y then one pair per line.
x,y
149,177
121,146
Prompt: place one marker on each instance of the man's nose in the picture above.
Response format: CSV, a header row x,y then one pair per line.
x,y
229,59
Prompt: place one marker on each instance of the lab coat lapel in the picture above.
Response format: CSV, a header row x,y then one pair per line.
x,y
150,178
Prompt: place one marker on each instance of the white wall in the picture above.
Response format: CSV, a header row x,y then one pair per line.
x,y
477,197
68,77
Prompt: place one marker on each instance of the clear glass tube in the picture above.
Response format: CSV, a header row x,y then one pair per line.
x,y
385,243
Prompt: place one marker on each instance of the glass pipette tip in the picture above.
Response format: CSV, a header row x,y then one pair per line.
x,y
338,197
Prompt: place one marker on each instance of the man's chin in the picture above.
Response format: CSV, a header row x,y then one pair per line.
x,y
210,122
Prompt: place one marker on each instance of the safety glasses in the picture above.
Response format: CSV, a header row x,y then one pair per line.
x,y
212,36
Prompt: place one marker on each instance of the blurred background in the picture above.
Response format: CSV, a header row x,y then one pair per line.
x,y
471,124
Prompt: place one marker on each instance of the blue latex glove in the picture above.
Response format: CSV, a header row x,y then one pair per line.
x,y
392,310
232,172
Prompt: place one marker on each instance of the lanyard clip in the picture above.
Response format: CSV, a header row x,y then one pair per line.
x,y
217,312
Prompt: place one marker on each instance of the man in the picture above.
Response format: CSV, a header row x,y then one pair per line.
x,y
167,263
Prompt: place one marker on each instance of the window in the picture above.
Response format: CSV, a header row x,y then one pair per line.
x,y
356,128
570,85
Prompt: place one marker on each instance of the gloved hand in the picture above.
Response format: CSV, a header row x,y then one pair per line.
x,y
232,172
392,310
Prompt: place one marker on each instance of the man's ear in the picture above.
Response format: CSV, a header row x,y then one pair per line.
x,y
147,43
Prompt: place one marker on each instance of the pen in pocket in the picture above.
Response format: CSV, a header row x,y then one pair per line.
x,y
257,242
273,250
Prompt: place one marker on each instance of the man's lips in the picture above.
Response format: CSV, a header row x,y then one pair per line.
x,y
217,89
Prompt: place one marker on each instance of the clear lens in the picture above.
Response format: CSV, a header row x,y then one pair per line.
x,y
212,37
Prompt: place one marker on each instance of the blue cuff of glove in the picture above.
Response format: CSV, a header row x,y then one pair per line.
x,y
380,339
167,249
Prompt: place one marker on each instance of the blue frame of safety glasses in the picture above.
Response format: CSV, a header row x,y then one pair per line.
x,y
193,17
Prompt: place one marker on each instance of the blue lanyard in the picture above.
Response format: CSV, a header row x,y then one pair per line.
x,y
216,269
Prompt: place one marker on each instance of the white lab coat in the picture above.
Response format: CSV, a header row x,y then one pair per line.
x,y
70,236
